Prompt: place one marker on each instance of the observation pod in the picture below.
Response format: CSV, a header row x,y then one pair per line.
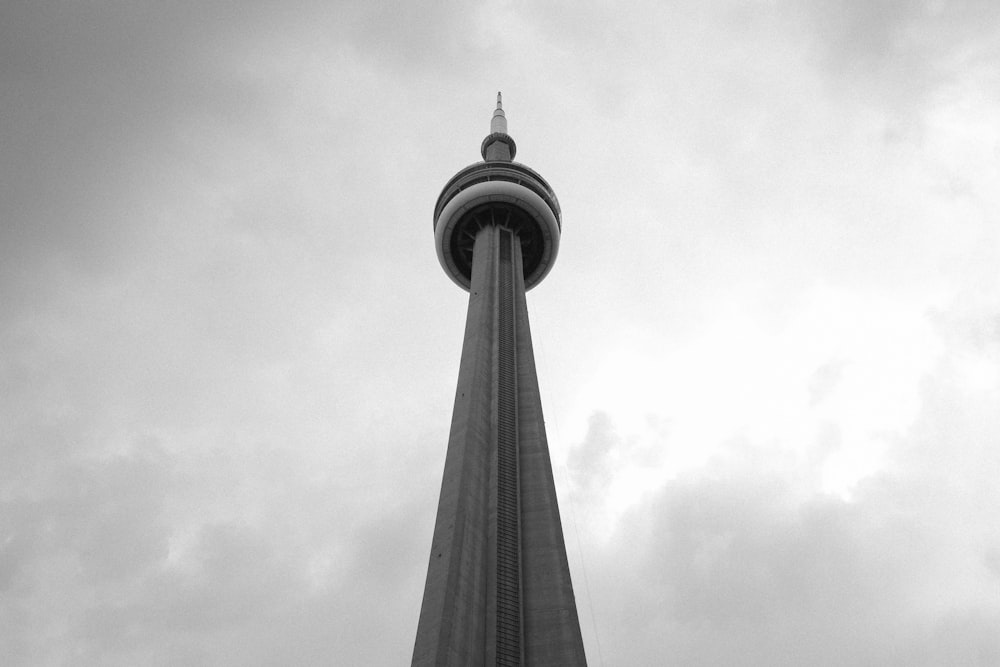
x,y
502,193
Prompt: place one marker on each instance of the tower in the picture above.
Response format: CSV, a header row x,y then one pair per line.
x,y
498,588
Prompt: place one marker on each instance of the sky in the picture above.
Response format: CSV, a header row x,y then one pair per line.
x,y
769,351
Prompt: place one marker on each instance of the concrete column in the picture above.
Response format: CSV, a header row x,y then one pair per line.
x,y
459,618
451,629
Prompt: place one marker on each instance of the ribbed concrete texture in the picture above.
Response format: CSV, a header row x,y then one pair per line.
x,y
498,588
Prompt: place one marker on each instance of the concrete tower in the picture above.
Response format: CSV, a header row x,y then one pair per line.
x,y
498,588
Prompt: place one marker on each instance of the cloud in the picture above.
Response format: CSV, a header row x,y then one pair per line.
x,y
156,558
591,463
735,562
824,380
900,53
729,570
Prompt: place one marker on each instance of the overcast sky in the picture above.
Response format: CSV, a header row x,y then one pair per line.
x,y
769,352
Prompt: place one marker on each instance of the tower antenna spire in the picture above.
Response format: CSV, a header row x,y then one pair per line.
x,y
498,146
498,125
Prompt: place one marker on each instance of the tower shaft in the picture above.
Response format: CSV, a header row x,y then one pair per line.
x,y
498,588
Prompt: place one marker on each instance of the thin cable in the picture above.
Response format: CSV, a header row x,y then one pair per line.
x,y
564,473
586,581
